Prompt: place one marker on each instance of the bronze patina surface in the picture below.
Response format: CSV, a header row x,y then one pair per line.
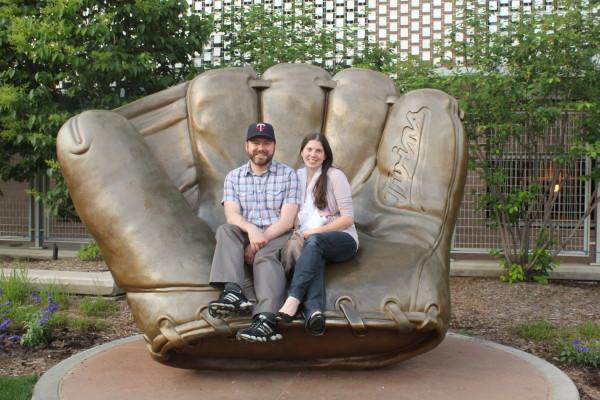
x,y
142,174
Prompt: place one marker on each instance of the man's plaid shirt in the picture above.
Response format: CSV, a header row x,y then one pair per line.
x,y
261,196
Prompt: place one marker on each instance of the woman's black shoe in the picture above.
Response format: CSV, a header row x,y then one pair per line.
x,y
315,324
281,316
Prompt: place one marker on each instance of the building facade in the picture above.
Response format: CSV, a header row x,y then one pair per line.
x,y
408,27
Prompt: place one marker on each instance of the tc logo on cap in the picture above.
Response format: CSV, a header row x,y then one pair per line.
x,y
260,129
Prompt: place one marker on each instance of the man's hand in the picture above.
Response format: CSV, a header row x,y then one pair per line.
x,y
257,238
249,255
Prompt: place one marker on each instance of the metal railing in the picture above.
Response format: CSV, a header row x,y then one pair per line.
x,y
22,218
523,166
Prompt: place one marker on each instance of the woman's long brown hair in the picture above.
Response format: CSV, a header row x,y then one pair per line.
x,y
320,189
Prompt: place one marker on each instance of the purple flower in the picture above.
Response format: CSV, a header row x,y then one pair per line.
x,y
52,307
44,319
2,336
6,303
576,342
583,349
36,297
13,337
4,323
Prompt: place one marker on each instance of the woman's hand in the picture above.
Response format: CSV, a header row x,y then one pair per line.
x,y
306,233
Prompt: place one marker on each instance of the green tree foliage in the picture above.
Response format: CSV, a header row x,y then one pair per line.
x,y
262,37
59,57
533,73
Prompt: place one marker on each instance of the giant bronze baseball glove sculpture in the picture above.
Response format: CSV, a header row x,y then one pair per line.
x,y
147,180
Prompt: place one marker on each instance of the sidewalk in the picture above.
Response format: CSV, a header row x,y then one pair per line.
x,y
102,283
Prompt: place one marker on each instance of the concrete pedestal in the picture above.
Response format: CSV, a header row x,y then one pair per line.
x,y
460,368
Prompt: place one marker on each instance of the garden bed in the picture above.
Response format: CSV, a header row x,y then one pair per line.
x,y
530,317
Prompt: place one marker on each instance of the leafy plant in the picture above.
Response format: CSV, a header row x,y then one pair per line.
x,y
260,37
537,71
57,200
59,57
38,330
582,352
513,273
89,252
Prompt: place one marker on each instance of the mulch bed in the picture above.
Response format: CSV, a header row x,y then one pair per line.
x,y
485,308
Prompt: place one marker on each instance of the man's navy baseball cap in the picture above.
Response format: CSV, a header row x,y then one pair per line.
x,y
260,129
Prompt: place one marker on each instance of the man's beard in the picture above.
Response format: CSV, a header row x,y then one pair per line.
x,y
261,162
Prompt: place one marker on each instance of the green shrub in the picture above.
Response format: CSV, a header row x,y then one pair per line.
x,y
512,274
89,252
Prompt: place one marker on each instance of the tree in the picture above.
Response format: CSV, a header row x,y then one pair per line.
x,y
59,57
538,70
262,37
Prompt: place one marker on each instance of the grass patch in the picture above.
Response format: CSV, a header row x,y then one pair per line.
x,y
588,330
86,325
15,286
97,307
464,332
17,387
539,331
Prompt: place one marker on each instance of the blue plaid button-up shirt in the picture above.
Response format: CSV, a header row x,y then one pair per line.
x,y
261,196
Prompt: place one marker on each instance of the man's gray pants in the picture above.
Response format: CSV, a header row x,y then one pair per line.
x,y
266,273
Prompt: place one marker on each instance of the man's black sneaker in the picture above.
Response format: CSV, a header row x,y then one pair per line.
x,y
231,301
262,329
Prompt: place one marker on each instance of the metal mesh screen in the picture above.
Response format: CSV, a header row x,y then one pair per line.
x,y
473,234
14,210
64,228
